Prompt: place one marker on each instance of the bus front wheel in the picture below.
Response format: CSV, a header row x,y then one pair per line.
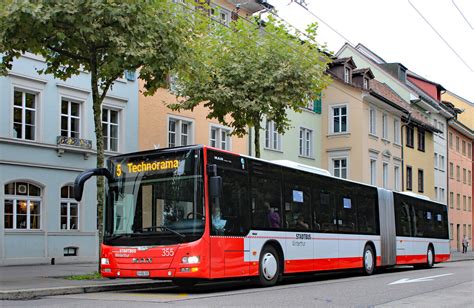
x,y
368,259
269,268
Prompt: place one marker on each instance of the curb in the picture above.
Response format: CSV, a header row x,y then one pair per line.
x,y
34,293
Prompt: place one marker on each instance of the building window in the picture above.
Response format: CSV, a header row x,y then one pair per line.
x,y
464,199
396,182
457,143
306,142
463,147
396,131
410,136
339,167
70,251
469,204
450,140
436,193
347,74
458,201
469,150
464,175
385,126
373,172
385,175
409,178
441,128
24,115
272,137
372,121
70,119
421,140
420,181
451,170
110,129
469,177
220,138
441,195
179,132
339,119
436,160
441,163
451,230
69,209
451,199
458,173
366,83
22,206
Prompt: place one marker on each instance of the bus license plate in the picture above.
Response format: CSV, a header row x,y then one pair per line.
x,y
143,273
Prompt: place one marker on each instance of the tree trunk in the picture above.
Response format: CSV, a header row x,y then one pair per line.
x,y
257,139
97,107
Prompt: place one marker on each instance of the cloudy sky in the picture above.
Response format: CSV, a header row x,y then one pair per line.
x,y
432,38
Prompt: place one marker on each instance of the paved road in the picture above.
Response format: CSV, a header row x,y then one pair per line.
x,y
446,285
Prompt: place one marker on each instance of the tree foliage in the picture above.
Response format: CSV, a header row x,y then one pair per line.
x,y
253,70
103,38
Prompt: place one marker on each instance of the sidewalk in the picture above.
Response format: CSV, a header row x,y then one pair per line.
x,y
458,256
30,281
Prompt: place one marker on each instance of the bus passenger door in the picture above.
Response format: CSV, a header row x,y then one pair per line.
x,y
326,246
230,221
350,251
299,242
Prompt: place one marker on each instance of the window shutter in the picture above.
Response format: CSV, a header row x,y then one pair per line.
x,y
317,104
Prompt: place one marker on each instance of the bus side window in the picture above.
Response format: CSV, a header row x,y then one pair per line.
x,y
231,213
325,214
265,182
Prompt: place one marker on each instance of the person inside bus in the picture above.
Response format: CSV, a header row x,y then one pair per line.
x,y
300,224
217,222
272,218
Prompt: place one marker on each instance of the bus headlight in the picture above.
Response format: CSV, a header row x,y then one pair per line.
x,y
104,261
190,260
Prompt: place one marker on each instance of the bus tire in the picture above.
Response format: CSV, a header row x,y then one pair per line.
x,y
368,260
269,266
430,257
185,283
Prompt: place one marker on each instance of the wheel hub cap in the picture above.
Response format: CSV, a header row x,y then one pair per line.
x,y
369,260
269,266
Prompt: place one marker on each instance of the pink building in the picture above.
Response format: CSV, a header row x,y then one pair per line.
x,y
460,189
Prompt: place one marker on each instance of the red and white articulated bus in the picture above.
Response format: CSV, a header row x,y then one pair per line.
x,y
198,213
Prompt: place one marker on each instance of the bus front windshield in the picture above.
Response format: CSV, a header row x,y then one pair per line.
x,y
156,199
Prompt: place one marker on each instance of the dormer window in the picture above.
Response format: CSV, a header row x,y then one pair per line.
x,y
347,74
366,83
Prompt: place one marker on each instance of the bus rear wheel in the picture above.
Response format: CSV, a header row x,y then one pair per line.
x,y
368,260
269,266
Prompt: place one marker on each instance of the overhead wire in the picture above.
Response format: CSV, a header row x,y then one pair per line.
x,y
440,36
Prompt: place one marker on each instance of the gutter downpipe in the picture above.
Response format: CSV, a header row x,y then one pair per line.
x,y
403,150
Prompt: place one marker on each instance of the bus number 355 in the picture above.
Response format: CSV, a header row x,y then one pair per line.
x,y
167,252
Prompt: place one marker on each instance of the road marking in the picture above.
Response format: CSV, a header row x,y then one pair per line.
x,y
423,279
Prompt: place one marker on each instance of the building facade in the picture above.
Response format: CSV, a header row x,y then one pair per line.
x,y
46,139
416,128
460,159
361,127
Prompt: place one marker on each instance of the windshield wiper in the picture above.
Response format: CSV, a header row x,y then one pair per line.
x,y
163,227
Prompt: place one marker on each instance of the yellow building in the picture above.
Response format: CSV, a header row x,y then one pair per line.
x,y
361,127
466,117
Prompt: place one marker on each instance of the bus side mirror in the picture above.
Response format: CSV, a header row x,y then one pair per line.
x,y
84,176
215,186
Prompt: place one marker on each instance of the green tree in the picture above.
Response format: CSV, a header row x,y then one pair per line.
x,y
101,37
250,72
